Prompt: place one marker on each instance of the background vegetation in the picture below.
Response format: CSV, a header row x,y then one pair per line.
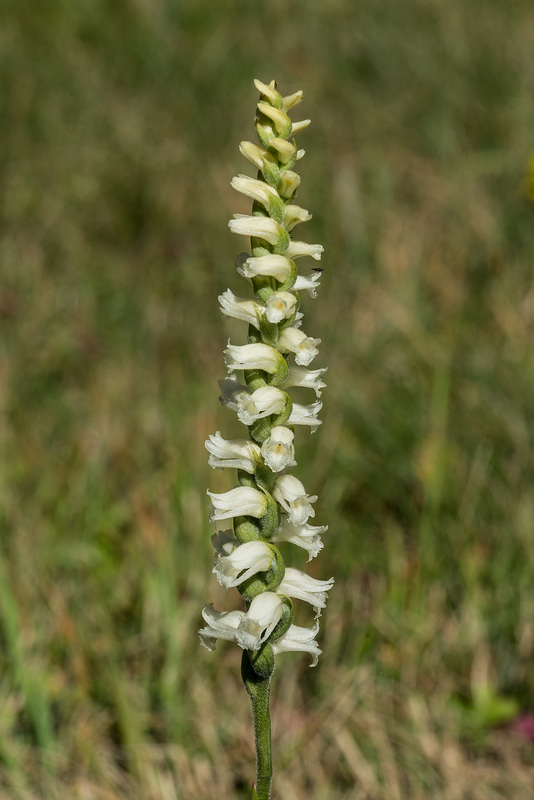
x,y
119,130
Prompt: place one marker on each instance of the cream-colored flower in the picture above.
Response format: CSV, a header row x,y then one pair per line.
x,y
278,451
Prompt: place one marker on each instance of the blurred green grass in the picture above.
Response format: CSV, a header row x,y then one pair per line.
x,y
120,124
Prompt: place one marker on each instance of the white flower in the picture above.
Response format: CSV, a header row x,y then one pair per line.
x,y
235,453
306,536
281,121
221,625
296,127
304,587
307,378
257,190
308,283
261,227
253,356
243,500
292,100
262,403
301,640
289,183
291,494
304,347
278,451
251,406
298,249
255,154
247,310
260,620
306,415
280,305
244,561
268,91
286,150
274,266
294,215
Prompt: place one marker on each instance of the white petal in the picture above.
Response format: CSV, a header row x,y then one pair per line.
x,y
257,190
296,341
253,356
304,587
307,283
261,618
294,215
286,150
289,183
298,249
247,310
298,639
255,154
280,305
261,227
281,121
307,378
306,415
299,126
290,493
242,563
233,454
278,450
221,625
268,91
274,266
243,500
262,403
292,100
306,536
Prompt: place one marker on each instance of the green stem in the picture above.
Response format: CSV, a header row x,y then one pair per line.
x,y
258,688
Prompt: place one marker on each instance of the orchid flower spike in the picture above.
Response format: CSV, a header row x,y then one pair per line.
x,y
269,507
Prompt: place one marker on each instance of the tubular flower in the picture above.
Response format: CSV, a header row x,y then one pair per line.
x,y
290,493
269,506
306,536
278,451
304,347
300,640
243,562
236,453
237,502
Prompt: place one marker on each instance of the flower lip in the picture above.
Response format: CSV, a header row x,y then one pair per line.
x,y
306,415
304,587
234,454
304,347
308,537
261,403
298,639
278,451
299,249
249,311
220,625
290,493
242,563
261,618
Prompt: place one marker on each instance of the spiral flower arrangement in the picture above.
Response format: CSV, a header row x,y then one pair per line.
x,y
269,506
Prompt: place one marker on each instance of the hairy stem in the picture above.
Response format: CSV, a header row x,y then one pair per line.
x,y
258,689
